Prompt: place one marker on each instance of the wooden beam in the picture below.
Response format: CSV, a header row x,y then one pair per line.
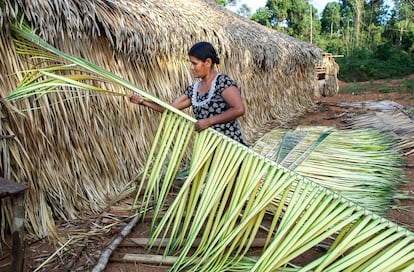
x,y
16,192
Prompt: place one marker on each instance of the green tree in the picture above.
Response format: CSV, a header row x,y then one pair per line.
x,y
263,16
376,41
226,2
376,13
347,25
404,16
358,8
294,17
373,36
279,13
221,2
373,24
331,18
244,11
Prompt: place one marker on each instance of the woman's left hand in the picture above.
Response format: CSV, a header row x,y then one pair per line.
x,y
202,124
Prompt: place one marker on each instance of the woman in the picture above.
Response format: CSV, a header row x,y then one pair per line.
x,y
215,99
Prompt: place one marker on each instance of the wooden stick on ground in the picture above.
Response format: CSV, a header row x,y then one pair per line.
x,y
128,189
147,259
143,242
103,260
151,259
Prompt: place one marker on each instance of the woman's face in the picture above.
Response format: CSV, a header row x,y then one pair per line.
x,y
199,68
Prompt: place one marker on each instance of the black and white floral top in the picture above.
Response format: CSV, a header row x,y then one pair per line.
x,y
212,103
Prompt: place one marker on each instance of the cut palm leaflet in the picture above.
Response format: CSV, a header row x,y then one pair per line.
x,y
386,116
360,164
232,193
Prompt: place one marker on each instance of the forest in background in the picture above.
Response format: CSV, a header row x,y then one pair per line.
x,y
369,39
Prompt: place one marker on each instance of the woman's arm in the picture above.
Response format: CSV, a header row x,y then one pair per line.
x,y
232,97
180,103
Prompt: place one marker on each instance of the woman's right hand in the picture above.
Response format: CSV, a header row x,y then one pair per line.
x,y
134,98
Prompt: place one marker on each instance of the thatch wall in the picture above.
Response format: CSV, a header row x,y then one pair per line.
x,y
77,154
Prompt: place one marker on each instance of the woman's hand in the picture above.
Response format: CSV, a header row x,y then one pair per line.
x,y
134,98
202,124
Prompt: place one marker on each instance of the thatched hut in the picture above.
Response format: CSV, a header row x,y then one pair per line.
x,y
77,154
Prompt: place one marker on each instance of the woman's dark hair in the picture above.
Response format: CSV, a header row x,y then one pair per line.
x,y
203,51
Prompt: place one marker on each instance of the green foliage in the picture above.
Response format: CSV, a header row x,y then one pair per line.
x,y
335,46
385,90
383,52
296,18
408,84
244,11
383,62
377,42
331,18
226,2
263,16
221,2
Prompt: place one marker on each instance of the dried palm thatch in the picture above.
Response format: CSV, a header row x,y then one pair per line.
x,y
78,154
150,41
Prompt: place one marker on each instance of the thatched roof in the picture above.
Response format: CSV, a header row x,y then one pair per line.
x,y
78,154
145,29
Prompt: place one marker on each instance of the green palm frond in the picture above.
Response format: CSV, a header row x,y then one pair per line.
x,y
40,81
232,194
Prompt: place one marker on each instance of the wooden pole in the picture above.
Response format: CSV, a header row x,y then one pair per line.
x,y
143,242
18,233
103,260
148,259
16,192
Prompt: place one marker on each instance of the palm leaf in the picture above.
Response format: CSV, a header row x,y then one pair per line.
x,y
305,215
28,43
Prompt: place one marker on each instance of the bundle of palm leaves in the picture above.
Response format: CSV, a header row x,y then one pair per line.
x,y
226,199
360,164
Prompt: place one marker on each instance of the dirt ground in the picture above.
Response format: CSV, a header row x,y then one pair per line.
x,y
394,90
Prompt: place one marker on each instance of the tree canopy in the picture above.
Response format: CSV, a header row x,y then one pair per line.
x,y
377,29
